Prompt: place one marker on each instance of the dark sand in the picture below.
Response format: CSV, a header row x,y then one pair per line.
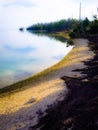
x,y
79,109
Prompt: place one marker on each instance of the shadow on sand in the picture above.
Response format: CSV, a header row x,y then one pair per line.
x,y
79,110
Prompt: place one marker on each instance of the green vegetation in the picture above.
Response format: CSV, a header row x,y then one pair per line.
x,y
62,25
74,27
94,26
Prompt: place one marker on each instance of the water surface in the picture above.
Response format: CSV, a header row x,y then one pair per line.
x,y
24,54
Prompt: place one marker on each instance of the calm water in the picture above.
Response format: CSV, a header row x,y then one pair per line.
x,y
23,54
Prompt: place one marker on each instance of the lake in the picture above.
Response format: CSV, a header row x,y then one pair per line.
x,y
23,54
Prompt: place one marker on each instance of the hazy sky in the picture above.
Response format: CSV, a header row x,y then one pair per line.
x,y
17,13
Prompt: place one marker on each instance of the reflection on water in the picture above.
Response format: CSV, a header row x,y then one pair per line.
x,y
24,54
55,37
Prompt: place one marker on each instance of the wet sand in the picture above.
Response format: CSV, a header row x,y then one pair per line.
x,y
22,109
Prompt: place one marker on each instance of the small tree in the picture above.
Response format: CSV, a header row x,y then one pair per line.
x,y
86,24
94,25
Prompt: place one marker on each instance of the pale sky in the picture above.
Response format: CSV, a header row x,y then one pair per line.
x,y
17,13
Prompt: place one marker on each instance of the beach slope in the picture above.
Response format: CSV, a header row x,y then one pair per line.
x,y
23,107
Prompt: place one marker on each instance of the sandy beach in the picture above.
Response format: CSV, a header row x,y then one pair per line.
x,y
20,109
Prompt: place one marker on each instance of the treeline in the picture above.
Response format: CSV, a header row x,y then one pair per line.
x,y
83,27
73,26
53,26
